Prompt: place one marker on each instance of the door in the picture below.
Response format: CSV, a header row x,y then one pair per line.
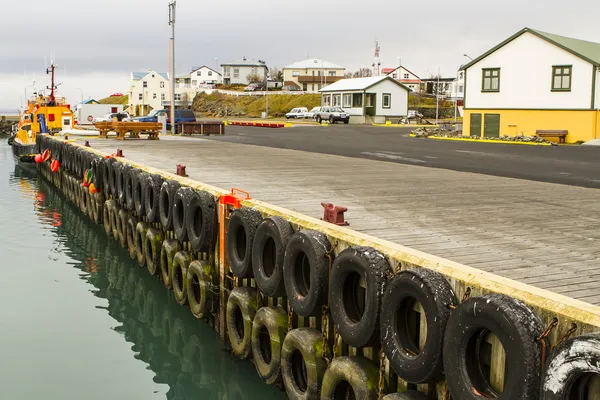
x,y
476,125
491,127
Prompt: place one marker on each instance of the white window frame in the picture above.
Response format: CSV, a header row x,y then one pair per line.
x,y
347,99
162,84
387,96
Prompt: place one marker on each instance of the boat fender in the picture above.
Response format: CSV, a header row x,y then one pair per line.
x,y
201,224
241,229
180,207
200,277
408,395
131,233
107,217
129,181
167,199
139,195
350,375
122,178
140,241
181,262
268,332
241,309
153,184
122,227
169,248
154,239
113,177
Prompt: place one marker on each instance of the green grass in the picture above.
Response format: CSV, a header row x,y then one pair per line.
x,y
115,100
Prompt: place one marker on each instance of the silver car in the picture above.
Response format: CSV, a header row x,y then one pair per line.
x,y
332,114
298,112
312,113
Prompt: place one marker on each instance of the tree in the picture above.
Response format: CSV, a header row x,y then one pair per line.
x,y
363,73
255,78
276,74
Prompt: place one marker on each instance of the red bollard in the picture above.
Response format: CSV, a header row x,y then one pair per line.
x,y
119,153
334,214
87,143
181,170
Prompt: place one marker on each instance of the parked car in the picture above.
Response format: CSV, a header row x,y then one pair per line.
x,y
180,116
311,114
109,117
291,88
332,114
254,87
298,112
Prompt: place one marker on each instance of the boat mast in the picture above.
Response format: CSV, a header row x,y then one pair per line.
x,y
52,99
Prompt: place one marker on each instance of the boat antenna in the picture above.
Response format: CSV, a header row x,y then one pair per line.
x,y
52,99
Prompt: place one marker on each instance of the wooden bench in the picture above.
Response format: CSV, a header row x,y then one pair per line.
x,y
560,134
121,128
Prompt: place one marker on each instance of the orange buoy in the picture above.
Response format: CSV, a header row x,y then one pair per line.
x,y
38,159
54,166
93,189
46,155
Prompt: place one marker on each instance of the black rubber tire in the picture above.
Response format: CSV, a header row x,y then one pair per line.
x,y
269,327
268,252
517,328
180,206
98,168
409,395
107,217
181,263
152,197
115,169
139,195
98,199
131,233
241,229
434,293
319,119
167,200
306,271
358,324
122,177
200,278
241,309
130,178
303,363
152,249
106,174
122,227
573,370
141,230
350,378
114,221
169,248
81,198
201,221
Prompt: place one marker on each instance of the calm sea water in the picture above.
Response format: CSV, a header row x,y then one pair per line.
x,y
80,320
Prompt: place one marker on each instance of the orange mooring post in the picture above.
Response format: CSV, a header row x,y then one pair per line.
x,y
233,199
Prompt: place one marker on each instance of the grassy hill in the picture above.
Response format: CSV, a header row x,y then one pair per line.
x,y
115,100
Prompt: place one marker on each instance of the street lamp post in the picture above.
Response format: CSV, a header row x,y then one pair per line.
x,y
172,5
469,57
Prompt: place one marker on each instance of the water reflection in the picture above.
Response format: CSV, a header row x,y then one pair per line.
x,y
184,353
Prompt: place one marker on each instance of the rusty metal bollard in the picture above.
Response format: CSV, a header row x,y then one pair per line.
x,y
87,143
181,170
334,214
120,153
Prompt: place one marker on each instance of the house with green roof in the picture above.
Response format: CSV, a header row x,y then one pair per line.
x,y
534,83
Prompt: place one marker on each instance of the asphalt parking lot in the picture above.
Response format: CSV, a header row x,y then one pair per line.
x,y
570,165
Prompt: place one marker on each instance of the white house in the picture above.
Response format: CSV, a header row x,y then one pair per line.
x,y
236,72
147,91
534,83
204,76
404,76
372,99
312,75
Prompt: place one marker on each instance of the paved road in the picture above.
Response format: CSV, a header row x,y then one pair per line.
x,y
571,165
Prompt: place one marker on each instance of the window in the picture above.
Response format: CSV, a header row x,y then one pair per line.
x,y
67,121
347,100
405,76
319,85
140,96
162,96
296,73
236,72
461,88
194,83
331,73
395,75
154,96
209,73
327,99
337,100
162,85
145,83
226,70
491,80
177,96
357,100
386,100
561,78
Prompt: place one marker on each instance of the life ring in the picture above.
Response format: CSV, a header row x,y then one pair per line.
x,y
153,184
573,369
269,327
90,118
268,252
350,377
181,262
433,292
306,271
167,199
517,328
303,363
241,309
139,195
131,233
200,275
170,247
154,239
140,241
201,221
180,206
240,237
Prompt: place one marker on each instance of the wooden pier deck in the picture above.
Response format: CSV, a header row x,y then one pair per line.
x,y
542,234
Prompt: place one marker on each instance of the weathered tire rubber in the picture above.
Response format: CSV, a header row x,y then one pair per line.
x,y
241,229
181,263
167,200
268,332
107,217
241,309
121,181
303,363
152,248
130,179
268,252
169,248
356,325
106,176
350,378
139,199
306,271
180,206
122,227
434,293
141,230
152,197
200,276
131,234
517,328
114,221
573,370
98,167
98,200
409,395
114,173
201,221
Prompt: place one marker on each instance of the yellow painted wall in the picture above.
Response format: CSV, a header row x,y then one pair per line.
x,y
582,125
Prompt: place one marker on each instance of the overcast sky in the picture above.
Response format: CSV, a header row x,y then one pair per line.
x,y
98,43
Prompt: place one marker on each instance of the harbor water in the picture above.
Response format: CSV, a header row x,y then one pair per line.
x,y
81,320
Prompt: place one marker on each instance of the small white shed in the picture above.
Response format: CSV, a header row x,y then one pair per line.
x,y
372,99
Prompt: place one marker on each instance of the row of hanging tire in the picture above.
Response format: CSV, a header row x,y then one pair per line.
x,y
369,304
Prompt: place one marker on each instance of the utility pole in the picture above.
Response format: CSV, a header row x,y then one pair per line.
x,y
172,5
266,92
437,97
